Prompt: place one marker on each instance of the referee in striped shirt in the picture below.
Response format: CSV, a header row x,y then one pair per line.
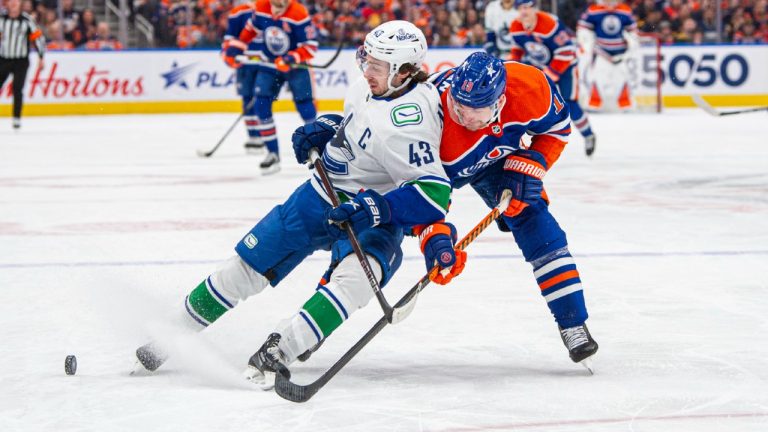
x,y
17,32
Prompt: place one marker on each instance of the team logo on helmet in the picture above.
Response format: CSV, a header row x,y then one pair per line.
x,y
402,35
277,40
491,71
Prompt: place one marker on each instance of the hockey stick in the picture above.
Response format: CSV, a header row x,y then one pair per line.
x,y
301,393
246,60
712,111
314,157
210,152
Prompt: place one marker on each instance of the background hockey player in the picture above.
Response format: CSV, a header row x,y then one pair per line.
x,y
541,40
607,33
18,32
499,14
489,106
390,149
246,75
284,37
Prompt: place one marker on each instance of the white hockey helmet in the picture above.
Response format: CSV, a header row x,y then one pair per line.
x,y
397,43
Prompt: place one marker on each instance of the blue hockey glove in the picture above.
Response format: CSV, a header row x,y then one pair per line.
x,y
523,174
368,209
314,135
437,245
233,49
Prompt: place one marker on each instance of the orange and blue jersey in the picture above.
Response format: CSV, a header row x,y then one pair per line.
x,y
547,45
609,24
236,20
289,34
533,106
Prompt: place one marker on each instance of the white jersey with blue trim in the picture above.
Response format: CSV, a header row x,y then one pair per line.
x,y
390,144
497,21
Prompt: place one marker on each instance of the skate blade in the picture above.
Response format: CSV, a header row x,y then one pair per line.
x,y
588,365
264,381
255,151
140,370
274,169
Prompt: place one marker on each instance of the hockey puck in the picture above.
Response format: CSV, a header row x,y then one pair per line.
x,y
70,365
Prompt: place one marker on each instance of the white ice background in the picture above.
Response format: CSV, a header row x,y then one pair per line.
x,y
107,222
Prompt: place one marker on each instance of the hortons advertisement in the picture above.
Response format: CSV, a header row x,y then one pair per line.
x,y
84,82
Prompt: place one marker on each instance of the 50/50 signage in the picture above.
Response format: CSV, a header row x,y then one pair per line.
x,y
728,69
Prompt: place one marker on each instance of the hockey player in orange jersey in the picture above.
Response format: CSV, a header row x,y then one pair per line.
x,y
540,39
488,106
284,37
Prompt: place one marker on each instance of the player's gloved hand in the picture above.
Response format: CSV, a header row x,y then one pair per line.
x,y
368,209
284,63
314,135
523,174
437,245
231,49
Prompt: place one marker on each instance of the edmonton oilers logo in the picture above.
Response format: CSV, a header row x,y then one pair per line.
x,y
538,53
277,40
611,25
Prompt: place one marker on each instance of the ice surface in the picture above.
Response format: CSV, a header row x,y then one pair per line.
x,y
107,222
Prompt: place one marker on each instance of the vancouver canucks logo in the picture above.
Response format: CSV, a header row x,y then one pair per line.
x,y
340,142
250,241
406,114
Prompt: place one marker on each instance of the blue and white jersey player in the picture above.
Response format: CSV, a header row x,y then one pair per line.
x,y
389,177
246,76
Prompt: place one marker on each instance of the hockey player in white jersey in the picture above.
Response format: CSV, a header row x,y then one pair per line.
x,y
386,172
499,14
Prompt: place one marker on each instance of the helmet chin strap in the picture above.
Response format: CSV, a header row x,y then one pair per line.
x,y
391,89
498,106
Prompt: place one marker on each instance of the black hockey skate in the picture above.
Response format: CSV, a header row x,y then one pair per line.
x,y
581,346
254,146
267,362
589,144
271,164
150,357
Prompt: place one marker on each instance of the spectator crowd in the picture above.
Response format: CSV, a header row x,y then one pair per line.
x,y
446,23
72,29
